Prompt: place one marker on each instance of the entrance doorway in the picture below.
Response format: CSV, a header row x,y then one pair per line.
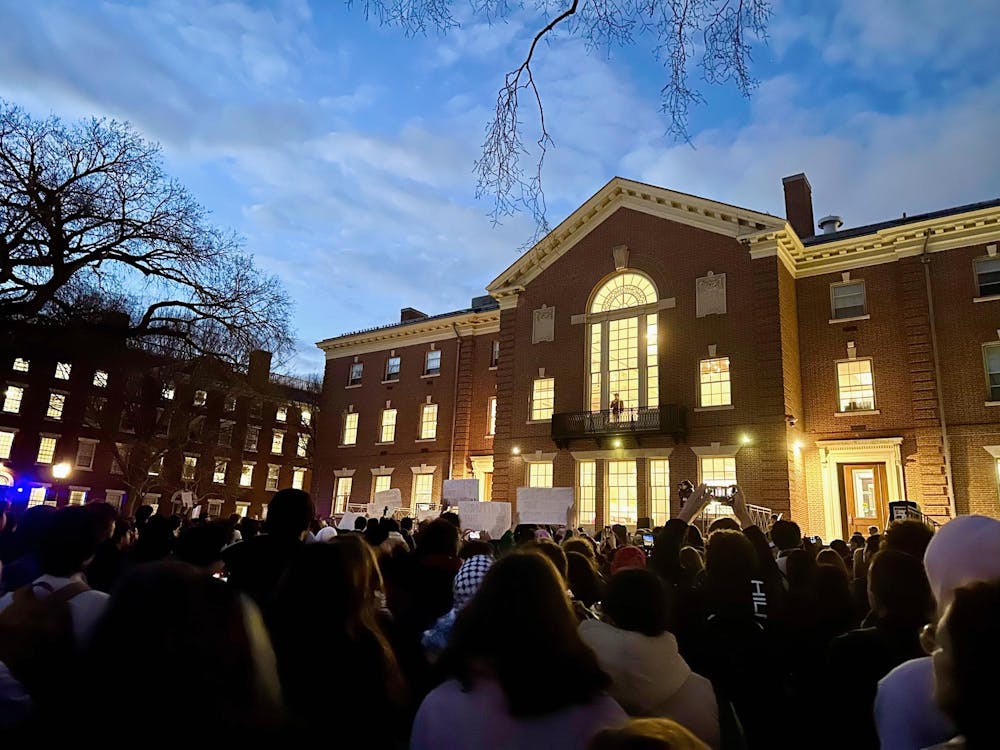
x,y
863,488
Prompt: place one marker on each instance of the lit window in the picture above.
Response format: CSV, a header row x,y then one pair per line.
x,y
167,392
388,432
6,443
357,370
715,387
156,467
63,370
623,360
242,509
542,398
22,365
540,474
652,365
623,496
586,501
350,432
77,497
281,415
12,399
57,401
272,477
219,472
298,478
252,436
717,471
423,488
36,496
392,368
85,451
229,404
432,362
225,432
428,421
595,367
847,300
383,482
659,490
200,397
302,448
495,353
46,450
305,417
246,475
342,493
855,386
190,467
991,356
491,416
101,379
277,442
623,291
988,276
114,498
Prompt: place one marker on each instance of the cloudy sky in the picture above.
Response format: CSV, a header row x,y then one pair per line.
x,y
342,152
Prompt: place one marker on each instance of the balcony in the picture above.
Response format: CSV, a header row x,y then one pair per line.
x,y
666,419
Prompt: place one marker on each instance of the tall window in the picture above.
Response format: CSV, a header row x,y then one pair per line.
x,y
387,433
46,450
543,391
85,454
988,276
495,353
155,467
56,403
991,357
847,300
272,477
855,387
714,380
432,362
22,365
423,488
225,432
392,369
342,493
63,370
305,416
281,414
623,492
12,399
277,442
190,467
357,370
246,475
219,472
428,421
491,416
36,496
659,490
200,397
77,497
302,446
252,436
382,483
298,478
350,432
6,443
586,486
623,343
717,471
540,474
101,379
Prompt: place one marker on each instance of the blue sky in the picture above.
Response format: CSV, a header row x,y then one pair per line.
x,y
342,152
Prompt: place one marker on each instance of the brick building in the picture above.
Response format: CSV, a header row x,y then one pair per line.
x,y
655,336
86,418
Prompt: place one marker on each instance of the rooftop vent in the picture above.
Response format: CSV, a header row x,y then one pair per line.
x,y
830,224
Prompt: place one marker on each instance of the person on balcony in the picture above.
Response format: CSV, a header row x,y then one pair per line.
x,y
617,407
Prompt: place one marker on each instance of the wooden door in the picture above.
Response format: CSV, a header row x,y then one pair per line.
x,y
865,499
488,485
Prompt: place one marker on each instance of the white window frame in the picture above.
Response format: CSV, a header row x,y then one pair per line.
x,y
428,427
189,468
349,429
384,426
273,477
419,494
491,416
342,488
991,397
840,399
355,373
586,492
100,379
281,414
200,398
542,413
430,372
10,404
156,467
248,445
114,498
242,508
392,377
56,405
659,507
627,518
63,370
219,477
79,452
245,474
298,477
46,440
277,442
714,402
539,473
377,479
833,301
82,494
495,354
37,495
7,436
21,364
975,272
302,445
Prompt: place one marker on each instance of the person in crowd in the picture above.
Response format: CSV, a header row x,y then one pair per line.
x,y
725,523
628,557
202,546
908,535
582,545
901,603
840,547
831,557
694,539
965,655
155,542
474,548
111,558
965,550
467,582
249,528
21,564
647,734
255,565
331,589
692,566
635,647
584,580
360,524
142,515
373,533
786,537
327,533
872,531
406,529
519,673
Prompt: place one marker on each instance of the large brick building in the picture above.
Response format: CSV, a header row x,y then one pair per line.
x,y
655,336
85,417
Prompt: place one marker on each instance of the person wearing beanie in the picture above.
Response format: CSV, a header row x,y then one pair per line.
x,y
965,550
627,558
467,582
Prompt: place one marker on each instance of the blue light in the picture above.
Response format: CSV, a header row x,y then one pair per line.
x,y
20,489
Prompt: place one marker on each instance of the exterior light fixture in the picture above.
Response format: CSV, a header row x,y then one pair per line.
x,y
745,439
61,470
515,451
797,445
617,443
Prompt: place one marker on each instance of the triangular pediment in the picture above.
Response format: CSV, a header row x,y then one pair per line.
x,y
712,216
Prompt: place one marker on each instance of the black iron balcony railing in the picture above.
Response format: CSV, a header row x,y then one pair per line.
x,y
655,420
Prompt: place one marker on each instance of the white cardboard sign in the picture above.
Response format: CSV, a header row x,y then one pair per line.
x,y
427,515
457,490
491,517
347,521
391,499
544,505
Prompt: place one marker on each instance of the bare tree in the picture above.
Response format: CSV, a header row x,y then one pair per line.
x,y
714,36
90,223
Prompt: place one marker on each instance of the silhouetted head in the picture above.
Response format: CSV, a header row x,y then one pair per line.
x,y
289,513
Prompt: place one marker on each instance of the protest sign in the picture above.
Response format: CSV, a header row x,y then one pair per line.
x,y
455,490
544,505
347,521
391,499
187,499
426,514
490,517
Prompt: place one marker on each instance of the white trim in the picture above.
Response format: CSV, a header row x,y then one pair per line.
x,y
857,413
343,472
622,454
423,469
725,407
993,450
835,321
992,403
539,458
715,449
412,333
990,298
383,471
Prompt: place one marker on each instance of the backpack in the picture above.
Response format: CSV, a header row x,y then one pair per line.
x,y
38,644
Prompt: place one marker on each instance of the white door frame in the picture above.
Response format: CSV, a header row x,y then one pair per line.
x,y
832,453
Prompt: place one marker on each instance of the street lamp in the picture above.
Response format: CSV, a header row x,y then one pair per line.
x,y
61,470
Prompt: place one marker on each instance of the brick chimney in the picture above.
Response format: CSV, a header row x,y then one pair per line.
x,y
799,205
260,368
408,313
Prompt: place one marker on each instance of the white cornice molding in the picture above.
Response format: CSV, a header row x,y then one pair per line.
x,y
413,333
993,450
624,454
539,458
715,449
854,444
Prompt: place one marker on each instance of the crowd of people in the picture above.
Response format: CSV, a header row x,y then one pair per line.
x,y
165,628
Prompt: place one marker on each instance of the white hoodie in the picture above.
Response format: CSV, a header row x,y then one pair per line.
x,y
650,678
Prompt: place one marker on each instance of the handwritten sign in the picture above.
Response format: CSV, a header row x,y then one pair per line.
x,y
457,490
548,505
391,499
426,514
491,517
347,521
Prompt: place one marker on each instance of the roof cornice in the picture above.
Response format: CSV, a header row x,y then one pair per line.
x,y
422,331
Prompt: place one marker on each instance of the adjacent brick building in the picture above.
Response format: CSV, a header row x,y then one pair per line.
x,y
655,336
85,417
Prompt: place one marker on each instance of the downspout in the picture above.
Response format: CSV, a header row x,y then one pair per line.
x,y
454,403
946,445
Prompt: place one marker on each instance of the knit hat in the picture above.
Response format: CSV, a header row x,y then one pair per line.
x,y
628,557
469,578
966,549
